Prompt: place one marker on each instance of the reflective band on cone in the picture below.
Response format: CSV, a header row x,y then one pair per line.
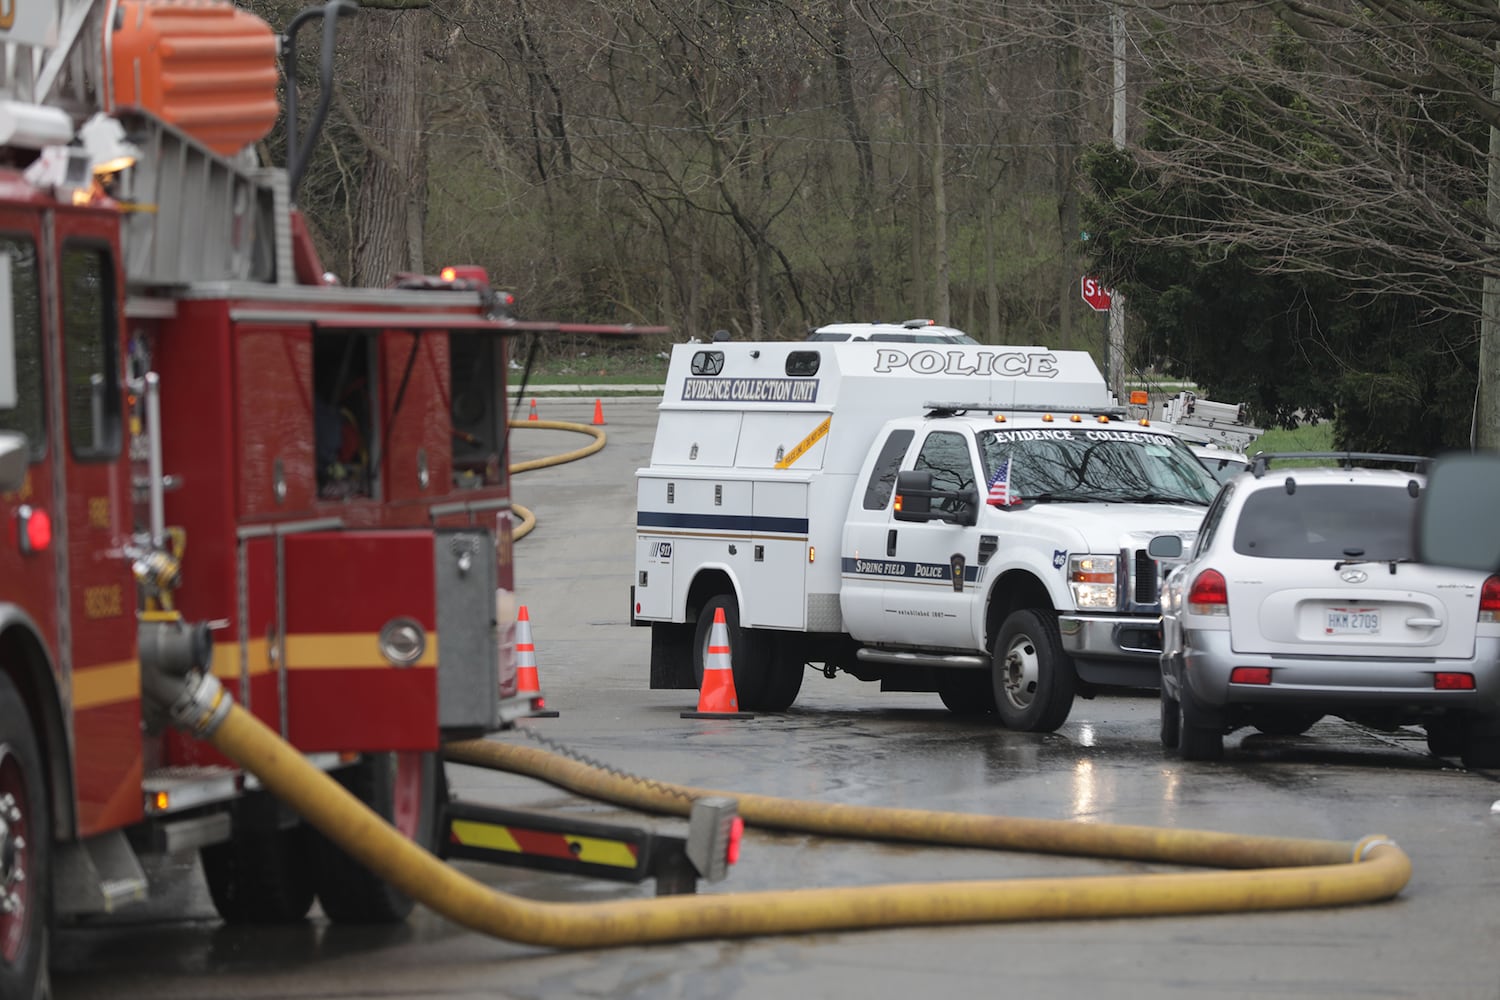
x,y
716,698
527,683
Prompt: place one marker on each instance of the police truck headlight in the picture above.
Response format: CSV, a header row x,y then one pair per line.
x,y
1094,582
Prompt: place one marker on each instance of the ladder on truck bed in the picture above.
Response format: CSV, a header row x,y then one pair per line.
x,y
191,214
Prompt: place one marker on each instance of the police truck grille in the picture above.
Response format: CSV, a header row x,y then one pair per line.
x,y
1145,578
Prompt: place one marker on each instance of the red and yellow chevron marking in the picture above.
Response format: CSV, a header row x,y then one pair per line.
x,y
520,840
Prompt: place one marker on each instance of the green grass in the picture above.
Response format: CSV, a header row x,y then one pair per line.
x,y
594,365
1308,437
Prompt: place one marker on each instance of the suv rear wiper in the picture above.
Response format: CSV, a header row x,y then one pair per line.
x,y
1391,563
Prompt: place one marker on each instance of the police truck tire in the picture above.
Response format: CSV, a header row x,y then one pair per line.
x,y
1033,678
260,877
406,789
24,931
750,654
787,671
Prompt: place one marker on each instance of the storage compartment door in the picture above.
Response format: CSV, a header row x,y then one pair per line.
x,y
361,640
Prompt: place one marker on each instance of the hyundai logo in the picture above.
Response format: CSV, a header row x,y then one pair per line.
x,y
1353,576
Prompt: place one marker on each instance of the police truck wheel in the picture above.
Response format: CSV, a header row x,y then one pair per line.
x,y
750,655
25,853
260,877
1033,678
785,682
406,789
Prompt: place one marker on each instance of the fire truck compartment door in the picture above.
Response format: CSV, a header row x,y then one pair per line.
x,y
361,640
468,669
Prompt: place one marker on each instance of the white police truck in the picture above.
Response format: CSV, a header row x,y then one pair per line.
x,y
965,519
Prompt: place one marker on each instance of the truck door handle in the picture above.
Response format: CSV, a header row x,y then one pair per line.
x,y
890,542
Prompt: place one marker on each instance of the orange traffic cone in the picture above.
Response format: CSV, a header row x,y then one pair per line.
x,y
716,698
598,413
527,684
533,410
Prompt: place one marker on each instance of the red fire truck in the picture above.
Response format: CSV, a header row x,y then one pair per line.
x,y
214,457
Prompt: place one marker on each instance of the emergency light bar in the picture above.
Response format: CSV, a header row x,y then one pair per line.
x,y
938,409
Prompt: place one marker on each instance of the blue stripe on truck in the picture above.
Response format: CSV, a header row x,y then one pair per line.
x,y
722,522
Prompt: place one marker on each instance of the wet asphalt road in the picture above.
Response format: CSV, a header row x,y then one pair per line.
x,y
846,742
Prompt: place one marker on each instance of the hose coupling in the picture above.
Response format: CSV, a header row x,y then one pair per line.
x,y
1368,844
202,705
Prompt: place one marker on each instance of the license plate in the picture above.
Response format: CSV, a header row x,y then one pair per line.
x,y
1353,621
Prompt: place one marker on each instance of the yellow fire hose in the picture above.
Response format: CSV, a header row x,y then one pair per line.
x,y
1292,874
527,518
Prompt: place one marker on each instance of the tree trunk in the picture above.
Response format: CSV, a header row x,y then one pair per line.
x,y
392,204
941,310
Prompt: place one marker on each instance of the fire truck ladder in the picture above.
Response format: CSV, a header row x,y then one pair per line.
x,y
190,214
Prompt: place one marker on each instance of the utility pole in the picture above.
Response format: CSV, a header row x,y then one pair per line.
x,y
1486,426
1117,303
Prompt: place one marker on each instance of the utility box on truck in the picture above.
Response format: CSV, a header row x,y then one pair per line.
x,y
964,519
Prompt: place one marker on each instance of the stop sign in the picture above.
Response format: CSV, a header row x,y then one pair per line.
x,y
1096,295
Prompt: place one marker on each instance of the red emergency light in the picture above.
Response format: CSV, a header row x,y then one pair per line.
x,y
35,529
472,273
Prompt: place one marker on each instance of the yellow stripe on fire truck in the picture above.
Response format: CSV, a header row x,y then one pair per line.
x,y
517,840
346,651
106,684
805,444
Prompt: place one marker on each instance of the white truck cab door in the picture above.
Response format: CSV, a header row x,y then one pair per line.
x,y
930,593
864,556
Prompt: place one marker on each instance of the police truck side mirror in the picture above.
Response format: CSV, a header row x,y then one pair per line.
x,y
913,500
1165,547
1456,523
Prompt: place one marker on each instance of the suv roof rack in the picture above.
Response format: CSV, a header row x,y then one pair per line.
x,y
1261,460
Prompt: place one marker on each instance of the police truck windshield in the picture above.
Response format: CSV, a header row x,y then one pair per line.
x,y
1095,464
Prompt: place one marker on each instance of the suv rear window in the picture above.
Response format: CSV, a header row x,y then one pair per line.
x,y
1328,521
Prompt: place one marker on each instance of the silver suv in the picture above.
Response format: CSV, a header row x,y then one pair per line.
x,y
1301,598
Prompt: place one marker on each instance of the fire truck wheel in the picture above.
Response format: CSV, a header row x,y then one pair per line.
x,y
966,692
25,853
408,790
260,877
749,653
1033,678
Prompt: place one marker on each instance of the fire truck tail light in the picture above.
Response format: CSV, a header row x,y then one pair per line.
x,y
35,529
714,832
736,834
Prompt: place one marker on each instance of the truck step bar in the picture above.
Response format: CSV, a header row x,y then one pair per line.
x,y
960,661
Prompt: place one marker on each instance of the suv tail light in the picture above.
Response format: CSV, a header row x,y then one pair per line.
x,y
1489,600
1209,596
